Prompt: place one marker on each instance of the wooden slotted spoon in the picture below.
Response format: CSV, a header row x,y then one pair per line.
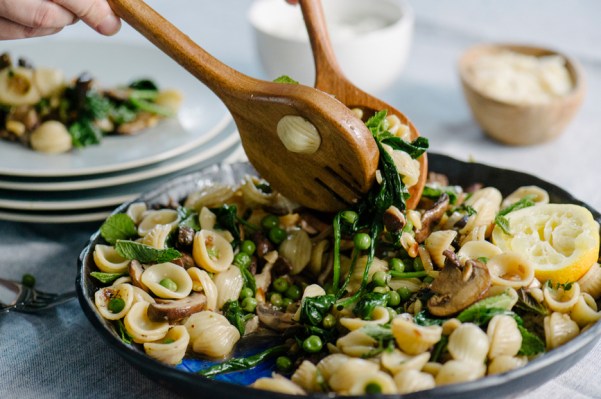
x,y
332,178
329,78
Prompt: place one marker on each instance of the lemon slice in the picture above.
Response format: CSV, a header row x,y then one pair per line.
x,y
561,240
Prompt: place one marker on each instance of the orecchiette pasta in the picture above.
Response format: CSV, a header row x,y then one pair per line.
x,y
211,334
584,311
140,327
559,329
468,343
504,336
172,348
167,280
229,283
108,259
409,381
153,218
414,339
211,251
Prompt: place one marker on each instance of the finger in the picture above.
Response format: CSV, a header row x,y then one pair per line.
x,y
96,13
10,30
36,14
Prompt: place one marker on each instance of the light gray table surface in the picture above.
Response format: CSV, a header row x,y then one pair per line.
x,y
58,354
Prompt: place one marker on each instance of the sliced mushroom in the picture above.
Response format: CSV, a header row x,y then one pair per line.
x,y
186,261
135,272
431,217
457,286
275,319
175,310
185,237
394,220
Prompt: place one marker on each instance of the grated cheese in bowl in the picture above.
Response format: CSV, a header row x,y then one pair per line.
x,y
521,79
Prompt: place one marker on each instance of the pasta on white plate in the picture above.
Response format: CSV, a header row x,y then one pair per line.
x,y
373,299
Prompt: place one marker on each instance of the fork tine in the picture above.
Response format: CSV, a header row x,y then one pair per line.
x,y
46,301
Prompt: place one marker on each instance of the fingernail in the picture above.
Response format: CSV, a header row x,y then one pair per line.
x,y
110,25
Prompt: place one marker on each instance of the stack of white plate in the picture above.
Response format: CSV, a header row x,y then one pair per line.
x,y
86,184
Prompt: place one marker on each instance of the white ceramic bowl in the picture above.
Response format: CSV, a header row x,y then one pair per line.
x,y
371,40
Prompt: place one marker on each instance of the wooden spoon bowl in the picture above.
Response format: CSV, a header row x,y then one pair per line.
x,y
332,177
330,79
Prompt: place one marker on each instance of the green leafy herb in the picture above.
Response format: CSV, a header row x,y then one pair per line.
x,y
531,343
84,132
245,363
125,337
440,348
418,274
227,219
415,148
435,192
378,125
106,278
235,315
148,106
188,217
285,79
143,84
314,309
121,114
423,318
503,222
368,303
145,253
528,304
118,227
378,332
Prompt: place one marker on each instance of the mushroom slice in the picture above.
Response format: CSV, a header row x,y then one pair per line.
x,y
457,287
175,310
167,280
211,251
275,319
431,217
140,327
135,272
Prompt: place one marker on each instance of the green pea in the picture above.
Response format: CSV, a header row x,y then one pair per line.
x,y
381,290
270,221
362,241
404,293
277,235
394,299
276,299
286,302
329,321
349,217
249,304
312,344
418,266
246,292
283,363
293,292
242,259
28,280
379,278
248,247
397,265
373,388
280,284
116,305
169,284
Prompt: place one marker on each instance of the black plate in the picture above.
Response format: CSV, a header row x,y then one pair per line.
x,y
521,380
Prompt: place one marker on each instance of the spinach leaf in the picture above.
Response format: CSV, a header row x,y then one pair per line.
x,y
440,348
378,332
423,318
125,337
482,311
84,132
368,303
118,227
415,148
531,343
188,218
145,253
121,114
378,125
247,276
107,278
143,84
235,315
227,219
528,304
435,192
141,104
243,363
314,309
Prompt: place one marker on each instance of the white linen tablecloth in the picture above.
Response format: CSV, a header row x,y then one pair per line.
x,y
58,354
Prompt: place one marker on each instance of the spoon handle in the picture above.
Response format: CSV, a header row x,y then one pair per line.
x,y
220,78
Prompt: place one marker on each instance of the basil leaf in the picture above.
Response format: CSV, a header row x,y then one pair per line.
x,y
378,125
482,311
145,253
107,278
188,217
244,363
227,219
368,303
118,227
125,337
235,315
531,343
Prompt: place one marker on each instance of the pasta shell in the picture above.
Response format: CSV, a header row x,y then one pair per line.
x,y
108,260
155,274
477,249
559,329
207,219
455,371
591,281
468,343
140,327
504,335
349,372
414,339
297,250
305,376
318,257
251,193
330,364
157,236
153,218
17,87
210,196
51,137
378,382
585,311
142,296
540,195
103,296
298,134
136,211
229,284
560,299
172,348
277,383
437,242
211,251
396,361
380,315
356,343
48,81
201,281
409,381
211,334
510,269
504,363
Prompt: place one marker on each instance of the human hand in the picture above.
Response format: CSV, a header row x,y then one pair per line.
x,y
29,18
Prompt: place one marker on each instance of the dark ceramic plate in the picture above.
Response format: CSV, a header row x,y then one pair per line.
x,y
183,377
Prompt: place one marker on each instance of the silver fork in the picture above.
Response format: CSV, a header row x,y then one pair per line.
x,y
30,300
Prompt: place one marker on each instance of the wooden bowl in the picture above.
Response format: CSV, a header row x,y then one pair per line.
x,y
515,123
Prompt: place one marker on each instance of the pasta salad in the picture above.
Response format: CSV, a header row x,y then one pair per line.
x,y
42,110
373,299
